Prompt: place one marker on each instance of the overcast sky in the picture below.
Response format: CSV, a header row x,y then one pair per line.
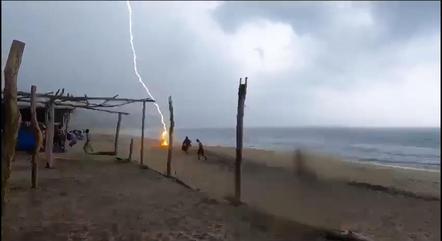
x,y
308,63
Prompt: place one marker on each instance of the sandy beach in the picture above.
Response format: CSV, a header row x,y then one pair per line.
x,y
96,198
382,203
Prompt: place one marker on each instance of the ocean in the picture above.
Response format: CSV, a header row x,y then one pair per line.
x,y
403,147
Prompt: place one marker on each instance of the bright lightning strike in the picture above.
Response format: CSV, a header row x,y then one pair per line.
x,y
164,133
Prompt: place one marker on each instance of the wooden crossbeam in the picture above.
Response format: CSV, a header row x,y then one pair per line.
x,y
83,98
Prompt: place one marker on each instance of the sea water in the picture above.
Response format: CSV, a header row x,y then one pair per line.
x,y
405,147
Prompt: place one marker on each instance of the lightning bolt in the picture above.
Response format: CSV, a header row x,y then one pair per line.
x,y
129,8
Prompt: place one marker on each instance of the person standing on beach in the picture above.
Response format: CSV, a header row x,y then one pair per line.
x,y
200,150
87,148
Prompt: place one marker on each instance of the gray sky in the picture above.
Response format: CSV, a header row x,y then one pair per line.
x,y
308,63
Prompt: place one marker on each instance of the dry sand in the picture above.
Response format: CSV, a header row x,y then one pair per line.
x,y
397,204
96,198
382,203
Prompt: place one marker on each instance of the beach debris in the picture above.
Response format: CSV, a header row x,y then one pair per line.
x,y
393,191
121,160
346,235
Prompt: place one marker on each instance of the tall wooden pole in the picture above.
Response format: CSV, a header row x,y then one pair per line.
x,y
50,134
142,135
11,113
66,125
117,133
131,148
172,125
239,137
38,138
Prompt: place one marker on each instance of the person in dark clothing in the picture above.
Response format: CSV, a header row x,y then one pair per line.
x,y
87,148
186,144
72,138
200,150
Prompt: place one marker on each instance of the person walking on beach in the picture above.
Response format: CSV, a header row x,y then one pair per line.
x,y
186,144
87,148
200,150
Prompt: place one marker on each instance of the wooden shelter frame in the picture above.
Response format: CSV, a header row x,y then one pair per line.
x,y
59,98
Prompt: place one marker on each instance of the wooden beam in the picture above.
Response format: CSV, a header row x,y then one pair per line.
x,y
142,136
170,148
11,113
38,139
117,133
84,98
50,135
77,106
239,138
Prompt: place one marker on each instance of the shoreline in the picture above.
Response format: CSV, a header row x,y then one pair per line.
x,y
422,182
151,135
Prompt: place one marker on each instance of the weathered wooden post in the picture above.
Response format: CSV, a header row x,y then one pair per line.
x,y
239,137
131,148
11,113
170,148
38,137
117,133
50,113
66,125
142,135
67,120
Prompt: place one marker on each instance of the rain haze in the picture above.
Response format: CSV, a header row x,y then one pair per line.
x,y
308,63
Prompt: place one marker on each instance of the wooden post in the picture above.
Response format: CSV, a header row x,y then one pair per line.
x,y
117,133
38,137
131,148
11,113
50,135
170,148
239,137
66,125
142,135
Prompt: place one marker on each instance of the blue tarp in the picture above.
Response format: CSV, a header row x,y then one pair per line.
x,y
25,139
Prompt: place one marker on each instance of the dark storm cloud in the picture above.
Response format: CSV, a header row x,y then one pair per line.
x,y
315,63
400,19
